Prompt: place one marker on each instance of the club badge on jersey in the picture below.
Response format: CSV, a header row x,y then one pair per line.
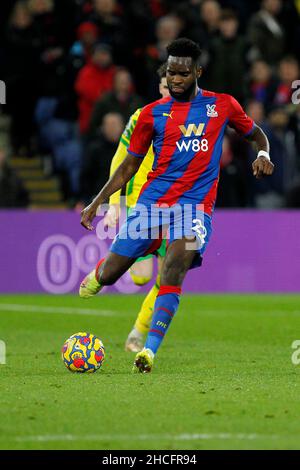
x,y
211,110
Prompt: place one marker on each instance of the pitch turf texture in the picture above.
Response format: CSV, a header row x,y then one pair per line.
x,y
223,379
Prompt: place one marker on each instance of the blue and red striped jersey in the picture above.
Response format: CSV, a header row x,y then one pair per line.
x,y
187,142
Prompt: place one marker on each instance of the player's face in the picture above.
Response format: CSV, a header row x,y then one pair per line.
x,y
182,76
163,88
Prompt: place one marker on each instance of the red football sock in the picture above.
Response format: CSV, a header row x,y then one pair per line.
x,y
99,264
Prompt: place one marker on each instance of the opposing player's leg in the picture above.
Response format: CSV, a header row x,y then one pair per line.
x,y
135,339
107,272
176,264
142,270
144,317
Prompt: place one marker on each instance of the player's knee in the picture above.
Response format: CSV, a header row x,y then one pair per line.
x,y
141,272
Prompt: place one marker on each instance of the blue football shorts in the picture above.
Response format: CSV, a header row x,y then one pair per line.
x,y
146,226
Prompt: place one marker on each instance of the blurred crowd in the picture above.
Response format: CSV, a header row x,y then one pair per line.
x,y
75,70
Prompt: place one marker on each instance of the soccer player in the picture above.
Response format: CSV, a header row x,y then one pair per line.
x,y
187,130
141,271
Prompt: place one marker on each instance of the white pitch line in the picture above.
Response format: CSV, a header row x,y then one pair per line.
x,y
143,437
62,310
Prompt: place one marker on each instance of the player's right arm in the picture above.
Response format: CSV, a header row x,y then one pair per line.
x,y
121,176
139,144
113,213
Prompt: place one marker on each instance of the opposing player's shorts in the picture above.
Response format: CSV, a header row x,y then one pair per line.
x,y
160,252
146,227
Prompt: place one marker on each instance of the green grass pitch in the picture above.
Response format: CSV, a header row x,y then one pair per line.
x,y
223,378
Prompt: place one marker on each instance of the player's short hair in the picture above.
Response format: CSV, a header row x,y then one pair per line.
x,y
184,47
162,71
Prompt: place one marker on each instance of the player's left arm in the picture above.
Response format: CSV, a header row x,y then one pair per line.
x,y
262,165
244,125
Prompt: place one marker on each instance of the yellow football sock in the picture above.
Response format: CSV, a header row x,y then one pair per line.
x,y
144,317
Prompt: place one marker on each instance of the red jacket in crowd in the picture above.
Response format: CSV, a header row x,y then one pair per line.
x,y
92,82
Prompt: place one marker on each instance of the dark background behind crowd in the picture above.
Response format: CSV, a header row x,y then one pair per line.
x,y
75,70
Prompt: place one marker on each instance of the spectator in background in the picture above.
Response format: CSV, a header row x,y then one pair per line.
x,y
167,29
266,34
22,71
189,16
290,21
47,24
203,28
232,191
107,15
227,55
60,144
6,9
294,126
141,34
255,109
84,8
234,171
200,20
262,84
40,7
292,199
140,24
12,192
288,72
99,153
293,192
210,14
79,54
268,194
207,26
93,80
243,9
121,99
87,37
55,22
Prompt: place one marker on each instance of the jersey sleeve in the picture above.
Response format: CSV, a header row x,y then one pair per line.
x,y
127,133
142,134
121,151
238,119
118,158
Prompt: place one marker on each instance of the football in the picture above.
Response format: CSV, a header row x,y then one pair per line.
x,y
83,352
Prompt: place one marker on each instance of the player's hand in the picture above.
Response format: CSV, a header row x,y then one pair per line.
x,y
87,216
262,166
112,215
